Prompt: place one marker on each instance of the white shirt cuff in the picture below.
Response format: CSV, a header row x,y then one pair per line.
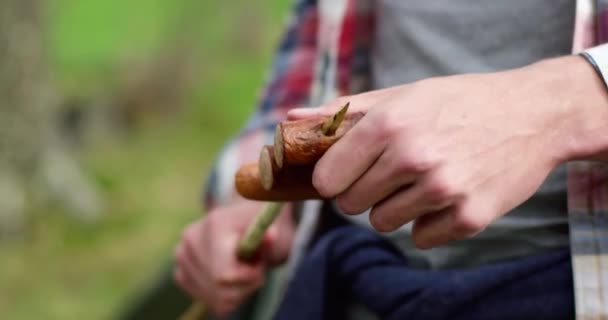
x,y
598,57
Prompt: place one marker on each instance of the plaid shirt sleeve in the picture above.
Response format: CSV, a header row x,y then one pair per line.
x,y
288,87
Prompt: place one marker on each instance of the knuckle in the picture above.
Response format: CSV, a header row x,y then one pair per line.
x,y
223,280
227,278
380,224
385,126
421,242
467,224
405,164
185,252
179,277
442,188
411,159
190,255
348,205
181,257
408,163
321,184
187,233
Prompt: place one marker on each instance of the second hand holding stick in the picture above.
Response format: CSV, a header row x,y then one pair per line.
x,y
254,234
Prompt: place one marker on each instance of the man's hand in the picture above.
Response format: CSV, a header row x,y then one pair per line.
x,y
207,265
455,153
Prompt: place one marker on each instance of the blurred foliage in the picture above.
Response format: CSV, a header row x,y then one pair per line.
x,y
151,174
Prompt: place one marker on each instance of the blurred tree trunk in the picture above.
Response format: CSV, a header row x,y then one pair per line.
x,y
33,162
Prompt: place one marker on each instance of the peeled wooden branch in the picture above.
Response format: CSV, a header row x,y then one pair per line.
x,y
302,142
273,177
249,185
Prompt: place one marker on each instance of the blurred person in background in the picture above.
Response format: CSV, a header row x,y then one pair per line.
x,y
473,109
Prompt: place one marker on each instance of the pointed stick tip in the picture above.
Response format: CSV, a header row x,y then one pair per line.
x,y
331,125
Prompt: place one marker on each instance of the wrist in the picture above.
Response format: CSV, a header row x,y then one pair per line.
x,y
578,97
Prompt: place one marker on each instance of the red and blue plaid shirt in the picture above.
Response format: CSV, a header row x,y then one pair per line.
x,y
325,53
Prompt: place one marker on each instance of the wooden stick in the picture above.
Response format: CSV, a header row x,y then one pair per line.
x,y
297,187
302,142
269,169
255,232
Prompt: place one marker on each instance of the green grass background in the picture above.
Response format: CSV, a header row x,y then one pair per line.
x,y
150,178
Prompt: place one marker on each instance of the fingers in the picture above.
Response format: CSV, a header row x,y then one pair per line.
x,y
189,277
216,303
453,223
430,230
408,204
397,210
208,269
348,159
184,281
221,299
228,298
380,181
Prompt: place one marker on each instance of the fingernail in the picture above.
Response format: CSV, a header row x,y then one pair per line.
x,y
301,112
